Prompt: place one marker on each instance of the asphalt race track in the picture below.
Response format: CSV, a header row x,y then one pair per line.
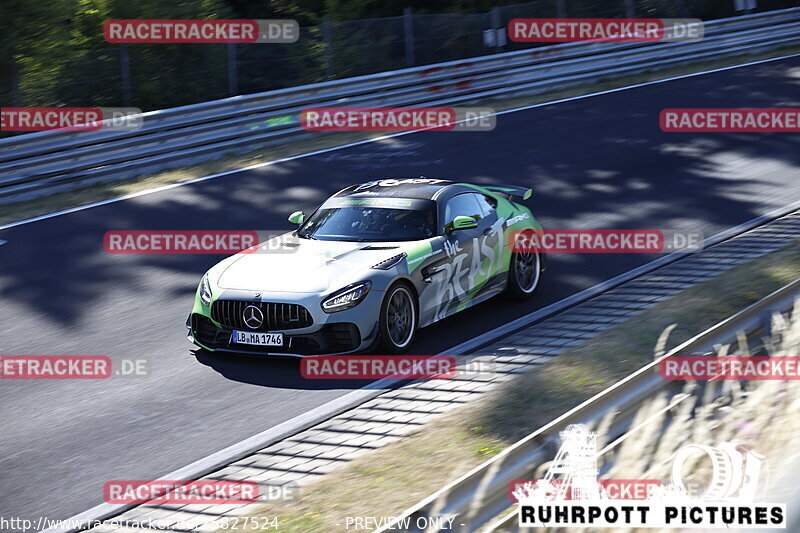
x,y
598,162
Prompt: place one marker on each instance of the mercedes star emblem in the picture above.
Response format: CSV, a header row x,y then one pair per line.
x,y
253,317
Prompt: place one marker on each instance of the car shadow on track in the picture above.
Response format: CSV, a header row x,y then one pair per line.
x,y
271,371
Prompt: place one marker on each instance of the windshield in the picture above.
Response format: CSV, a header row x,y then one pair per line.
x,y
367,223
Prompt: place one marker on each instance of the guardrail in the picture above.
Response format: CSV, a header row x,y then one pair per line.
x,y
480,495
46,162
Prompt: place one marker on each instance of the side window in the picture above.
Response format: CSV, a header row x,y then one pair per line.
x,y
487,203
461,205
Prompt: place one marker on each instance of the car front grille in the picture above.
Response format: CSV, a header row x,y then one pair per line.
x,y
331,338
277,316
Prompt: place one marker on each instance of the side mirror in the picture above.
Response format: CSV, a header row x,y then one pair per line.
x,y
297,217
462,222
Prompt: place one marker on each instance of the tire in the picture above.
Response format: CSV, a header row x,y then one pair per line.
x,y
524,274
398,319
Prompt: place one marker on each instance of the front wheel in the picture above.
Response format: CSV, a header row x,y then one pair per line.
x,y
398,320
524,273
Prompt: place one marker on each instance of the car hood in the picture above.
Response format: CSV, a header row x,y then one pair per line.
x,y
288,264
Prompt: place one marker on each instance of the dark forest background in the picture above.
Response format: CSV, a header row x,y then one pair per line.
x,y
52,52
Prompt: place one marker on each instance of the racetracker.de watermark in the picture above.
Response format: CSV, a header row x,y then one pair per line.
x,y
614,489
180,492
133,242
70,118
385,366
565,30
729,368
605,241
743,120
398,119
154,31
70,367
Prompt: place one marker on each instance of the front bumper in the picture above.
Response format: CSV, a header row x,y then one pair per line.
x,y
334,338
348,331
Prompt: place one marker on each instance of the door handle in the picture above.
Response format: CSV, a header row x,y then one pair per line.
x,y
429,271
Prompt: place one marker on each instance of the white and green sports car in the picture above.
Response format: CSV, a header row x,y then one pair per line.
x,y
370,266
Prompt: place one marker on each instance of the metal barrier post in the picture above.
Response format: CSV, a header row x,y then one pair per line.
x,y
327,34
15,83
126,75
630,9
495,27
233,83
561,9
408,27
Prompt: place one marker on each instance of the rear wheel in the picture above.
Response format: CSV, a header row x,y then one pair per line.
x,y
524,274
398,319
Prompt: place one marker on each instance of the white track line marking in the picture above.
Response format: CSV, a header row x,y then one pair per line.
x,y
383,137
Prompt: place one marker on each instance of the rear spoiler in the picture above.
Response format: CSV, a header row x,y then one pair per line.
x,y
510,190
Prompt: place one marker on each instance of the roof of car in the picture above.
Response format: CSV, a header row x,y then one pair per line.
x,y
419,188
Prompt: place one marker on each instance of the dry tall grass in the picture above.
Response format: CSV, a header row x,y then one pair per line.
x,y
759,415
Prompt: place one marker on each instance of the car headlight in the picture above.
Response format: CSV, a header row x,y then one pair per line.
x,y
205,291
346,298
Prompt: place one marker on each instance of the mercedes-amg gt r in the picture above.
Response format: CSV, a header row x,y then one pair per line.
x,y
370,266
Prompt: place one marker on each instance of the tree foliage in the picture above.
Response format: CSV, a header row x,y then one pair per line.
x,y
53,51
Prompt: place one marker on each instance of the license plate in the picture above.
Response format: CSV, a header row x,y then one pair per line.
x,y
257,339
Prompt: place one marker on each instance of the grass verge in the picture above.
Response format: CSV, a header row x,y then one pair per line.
x,y
232,161
385,482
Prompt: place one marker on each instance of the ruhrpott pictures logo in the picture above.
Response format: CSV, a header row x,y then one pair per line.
x,y
570,495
